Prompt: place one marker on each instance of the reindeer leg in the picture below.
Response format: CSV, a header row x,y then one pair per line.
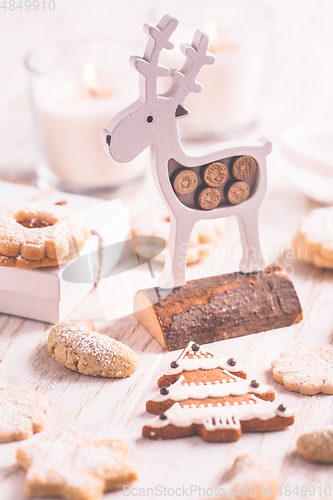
x,y
252,260
173,274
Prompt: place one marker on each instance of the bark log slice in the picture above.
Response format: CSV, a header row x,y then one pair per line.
x,y
218,308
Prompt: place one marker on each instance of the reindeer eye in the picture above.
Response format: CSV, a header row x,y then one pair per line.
x,y
149,119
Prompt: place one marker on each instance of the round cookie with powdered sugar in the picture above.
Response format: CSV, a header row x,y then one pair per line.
x,y
22,413
77,346
317,445
306,369
314,239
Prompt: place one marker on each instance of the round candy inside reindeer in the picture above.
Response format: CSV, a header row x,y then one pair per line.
x,y
185,182
215,174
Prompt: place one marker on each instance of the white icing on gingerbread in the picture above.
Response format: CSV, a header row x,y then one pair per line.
x,y
198,362
218,416
179,392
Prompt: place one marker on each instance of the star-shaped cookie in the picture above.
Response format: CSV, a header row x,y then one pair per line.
x,y
22,413
74,466
307,369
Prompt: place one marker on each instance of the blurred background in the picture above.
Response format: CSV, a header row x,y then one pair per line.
x,y
284,80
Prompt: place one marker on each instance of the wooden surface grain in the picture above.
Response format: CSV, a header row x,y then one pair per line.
x,y
298,90
116,408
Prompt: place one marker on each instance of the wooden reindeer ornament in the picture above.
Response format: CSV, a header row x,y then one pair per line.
x,y
228,179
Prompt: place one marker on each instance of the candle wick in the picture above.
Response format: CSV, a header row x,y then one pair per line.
x,y
92,92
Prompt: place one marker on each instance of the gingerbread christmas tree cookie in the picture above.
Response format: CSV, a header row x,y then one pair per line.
x,y
208,397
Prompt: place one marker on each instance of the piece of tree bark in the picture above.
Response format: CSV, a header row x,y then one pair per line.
x,y
218,308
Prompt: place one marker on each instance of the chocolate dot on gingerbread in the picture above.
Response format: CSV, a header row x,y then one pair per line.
x,y
174,364
244,167
195,347
215,174
254,383
238,192
231,362
208,198
185,182
164,391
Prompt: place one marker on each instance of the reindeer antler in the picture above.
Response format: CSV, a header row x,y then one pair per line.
x,y
148,65
197,56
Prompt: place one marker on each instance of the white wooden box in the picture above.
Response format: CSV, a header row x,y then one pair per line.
x,y
42,294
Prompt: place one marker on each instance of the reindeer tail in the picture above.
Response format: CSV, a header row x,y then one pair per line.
x,y
266,145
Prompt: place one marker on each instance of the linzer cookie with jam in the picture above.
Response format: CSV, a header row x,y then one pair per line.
x,y
39,235
208,399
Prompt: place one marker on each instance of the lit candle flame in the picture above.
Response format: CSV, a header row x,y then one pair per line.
x,y
216,44
90,78
210,27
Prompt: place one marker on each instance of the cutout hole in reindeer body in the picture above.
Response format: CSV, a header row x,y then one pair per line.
x,y
189,183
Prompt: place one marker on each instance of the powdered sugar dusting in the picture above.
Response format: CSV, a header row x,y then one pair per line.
x,y
22,412
306,369
73,460
318,226
252,471
83,350
54,241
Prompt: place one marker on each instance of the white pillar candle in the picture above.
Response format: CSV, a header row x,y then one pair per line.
x,y
76,89
230,97
70,118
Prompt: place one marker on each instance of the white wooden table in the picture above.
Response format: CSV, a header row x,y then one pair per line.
x,y
117,407
298,74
